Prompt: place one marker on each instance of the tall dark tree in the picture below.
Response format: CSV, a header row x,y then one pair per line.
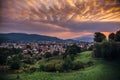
x,y
117,36
99,37
111,36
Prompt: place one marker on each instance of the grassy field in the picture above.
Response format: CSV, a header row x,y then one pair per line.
x,y
101,70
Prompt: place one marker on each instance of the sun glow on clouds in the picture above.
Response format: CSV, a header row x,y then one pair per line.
x,y
106,33
59,15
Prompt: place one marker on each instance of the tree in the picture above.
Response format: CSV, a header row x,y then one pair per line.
x,y
68,63
73,50
55,53
99,37
47,55
117,36
15,63
111,36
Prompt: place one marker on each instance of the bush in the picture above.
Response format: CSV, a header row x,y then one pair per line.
x,y
68,63
53,66
14,62
78,65
29,61
49,67
97,50
89,63
47,55
33,69
59,67
15,65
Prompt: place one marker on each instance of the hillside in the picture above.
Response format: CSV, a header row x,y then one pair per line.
x,y
88,38
26,37
101,70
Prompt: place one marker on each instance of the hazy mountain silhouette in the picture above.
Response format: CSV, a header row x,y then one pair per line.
x,y
26,37
88,38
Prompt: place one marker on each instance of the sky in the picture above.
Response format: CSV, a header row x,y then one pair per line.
x,y
60,18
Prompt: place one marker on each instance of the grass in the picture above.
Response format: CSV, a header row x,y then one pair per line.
x,y
101,70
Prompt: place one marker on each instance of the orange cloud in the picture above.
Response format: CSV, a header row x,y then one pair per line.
x,y
106,33
68,35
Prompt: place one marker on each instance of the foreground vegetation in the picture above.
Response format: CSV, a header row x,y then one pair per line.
x,y
101,63
101,70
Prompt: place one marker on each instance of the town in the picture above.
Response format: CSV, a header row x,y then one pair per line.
x,y
42,47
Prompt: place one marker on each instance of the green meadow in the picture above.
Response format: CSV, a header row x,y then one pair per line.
x,y
101,70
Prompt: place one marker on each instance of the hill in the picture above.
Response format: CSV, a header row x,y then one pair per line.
x,y
101,70
26,37
87,38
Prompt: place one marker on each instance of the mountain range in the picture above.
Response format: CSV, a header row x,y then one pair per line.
x,y
88,38
26,37
34,37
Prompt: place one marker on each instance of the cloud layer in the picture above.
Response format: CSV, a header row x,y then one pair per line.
x,y
61,18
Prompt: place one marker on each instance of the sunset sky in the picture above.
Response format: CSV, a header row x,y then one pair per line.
x,y
60,18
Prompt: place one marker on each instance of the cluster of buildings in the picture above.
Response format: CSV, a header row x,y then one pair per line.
x,y
43,47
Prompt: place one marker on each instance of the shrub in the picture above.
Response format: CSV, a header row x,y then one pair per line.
x,y
49,67
97,50
33,69
78,65
47,55
59,67
68,64
89,63
29,60
15,65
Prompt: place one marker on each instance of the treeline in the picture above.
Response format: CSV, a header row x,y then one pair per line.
x,y
12,59
107,49
5,52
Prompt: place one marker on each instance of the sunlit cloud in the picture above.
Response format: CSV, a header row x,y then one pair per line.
x,y
61,18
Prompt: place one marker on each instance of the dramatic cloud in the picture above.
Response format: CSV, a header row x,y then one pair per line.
x,y
61,18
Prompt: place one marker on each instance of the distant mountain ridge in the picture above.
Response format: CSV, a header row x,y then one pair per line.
x,y
26,37
17,37
88,38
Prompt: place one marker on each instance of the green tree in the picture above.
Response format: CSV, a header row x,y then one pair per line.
x,y
55,53
111,36
68,63
73,50
15,63
117,36
99,37
47,55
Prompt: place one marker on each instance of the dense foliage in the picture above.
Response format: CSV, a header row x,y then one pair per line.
x,y
99,37
111,36
66,63
5,52
108,49
117,36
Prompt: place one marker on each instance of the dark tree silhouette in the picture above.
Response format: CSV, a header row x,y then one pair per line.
x,y
111,36
99,37
117,36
